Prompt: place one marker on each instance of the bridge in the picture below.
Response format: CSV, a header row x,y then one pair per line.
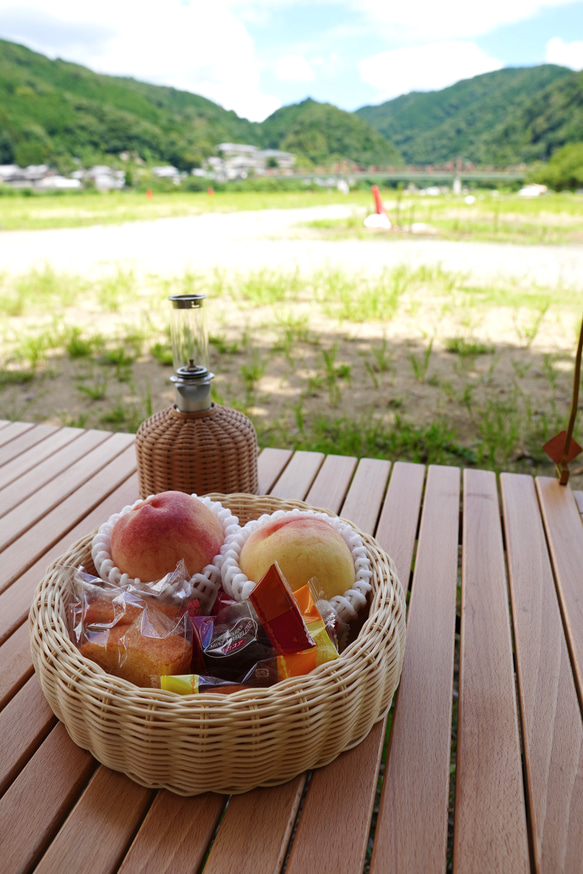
x,y
422,177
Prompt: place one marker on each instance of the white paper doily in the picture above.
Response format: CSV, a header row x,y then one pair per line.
x,y
346,606
204,585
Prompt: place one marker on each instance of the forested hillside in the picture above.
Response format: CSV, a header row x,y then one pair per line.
x,y
64,114
551,119
54,111
490,119
322,133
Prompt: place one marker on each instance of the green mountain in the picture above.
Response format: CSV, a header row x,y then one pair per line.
x,y
54,111
542,126
496,118
322,134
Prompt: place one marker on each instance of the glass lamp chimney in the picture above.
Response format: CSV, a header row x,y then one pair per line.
x,y
188,329
190,352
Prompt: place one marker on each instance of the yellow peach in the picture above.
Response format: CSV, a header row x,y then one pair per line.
x,y
304,548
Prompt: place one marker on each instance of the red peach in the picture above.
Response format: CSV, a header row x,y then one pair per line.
x,y
149,540
304,548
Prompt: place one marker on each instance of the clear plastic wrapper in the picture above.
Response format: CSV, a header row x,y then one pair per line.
x,y
136,638
228,644
233,650
195,684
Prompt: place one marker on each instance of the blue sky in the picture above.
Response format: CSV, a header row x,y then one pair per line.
x,y
254,56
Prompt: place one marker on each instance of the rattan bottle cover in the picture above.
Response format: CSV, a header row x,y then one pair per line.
x,y
213,450
195,445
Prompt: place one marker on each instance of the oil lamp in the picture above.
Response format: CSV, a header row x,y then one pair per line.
x,y
195,445
192,378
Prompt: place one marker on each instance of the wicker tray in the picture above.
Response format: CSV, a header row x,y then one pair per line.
x,y
221,743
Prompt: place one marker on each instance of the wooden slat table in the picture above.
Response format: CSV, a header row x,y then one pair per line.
x,y
478,768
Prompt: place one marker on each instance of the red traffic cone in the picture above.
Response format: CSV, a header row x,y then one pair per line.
x,y
378,202
379,219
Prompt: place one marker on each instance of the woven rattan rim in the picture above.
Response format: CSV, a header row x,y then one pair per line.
x,y
233,743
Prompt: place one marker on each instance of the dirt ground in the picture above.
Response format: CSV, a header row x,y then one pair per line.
x,y
273,239
463,390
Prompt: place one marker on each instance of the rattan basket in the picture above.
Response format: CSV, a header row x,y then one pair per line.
x,y
222,743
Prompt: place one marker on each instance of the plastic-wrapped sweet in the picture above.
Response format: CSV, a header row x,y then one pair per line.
x,y
145,541
233,650
128,636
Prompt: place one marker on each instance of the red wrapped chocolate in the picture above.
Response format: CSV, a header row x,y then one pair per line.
x,y
279,613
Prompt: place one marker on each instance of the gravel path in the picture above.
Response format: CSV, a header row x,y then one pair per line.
x,y
273,239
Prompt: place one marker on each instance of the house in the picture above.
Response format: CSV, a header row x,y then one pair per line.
x,y
24,177
282,160
8,172
103,177
240,160
168,172
58,182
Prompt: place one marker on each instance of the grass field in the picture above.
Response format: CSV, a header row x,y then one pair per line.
x,y
82,210
415,364
552,219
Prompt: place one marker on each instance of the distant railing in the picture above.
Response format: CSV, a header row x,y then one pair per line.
x,y
417,175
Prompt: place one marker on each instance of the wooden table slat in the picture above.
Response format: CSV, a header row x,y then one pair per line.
x,y
256,830
329,489
343,792
24,723
346,789
397,528
13,431
270,464
490,818
79,462
364,500
564,531
27,441
411,831
34,806
298,476
43,450
16,664
100,828
551,717
38,538
175,834
16,600
37,488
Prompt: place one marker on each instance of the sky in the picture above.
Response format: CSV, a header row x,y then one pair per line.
x,y
254,56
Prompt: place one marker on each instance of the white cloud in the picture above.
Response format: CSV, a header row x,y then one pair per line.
x,y
450,19
418,20
567,54
201,48
294,68
424,67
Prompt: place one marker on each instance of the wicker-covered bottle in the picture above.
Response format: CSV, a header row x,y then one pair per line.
x,y
195,445
213,450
